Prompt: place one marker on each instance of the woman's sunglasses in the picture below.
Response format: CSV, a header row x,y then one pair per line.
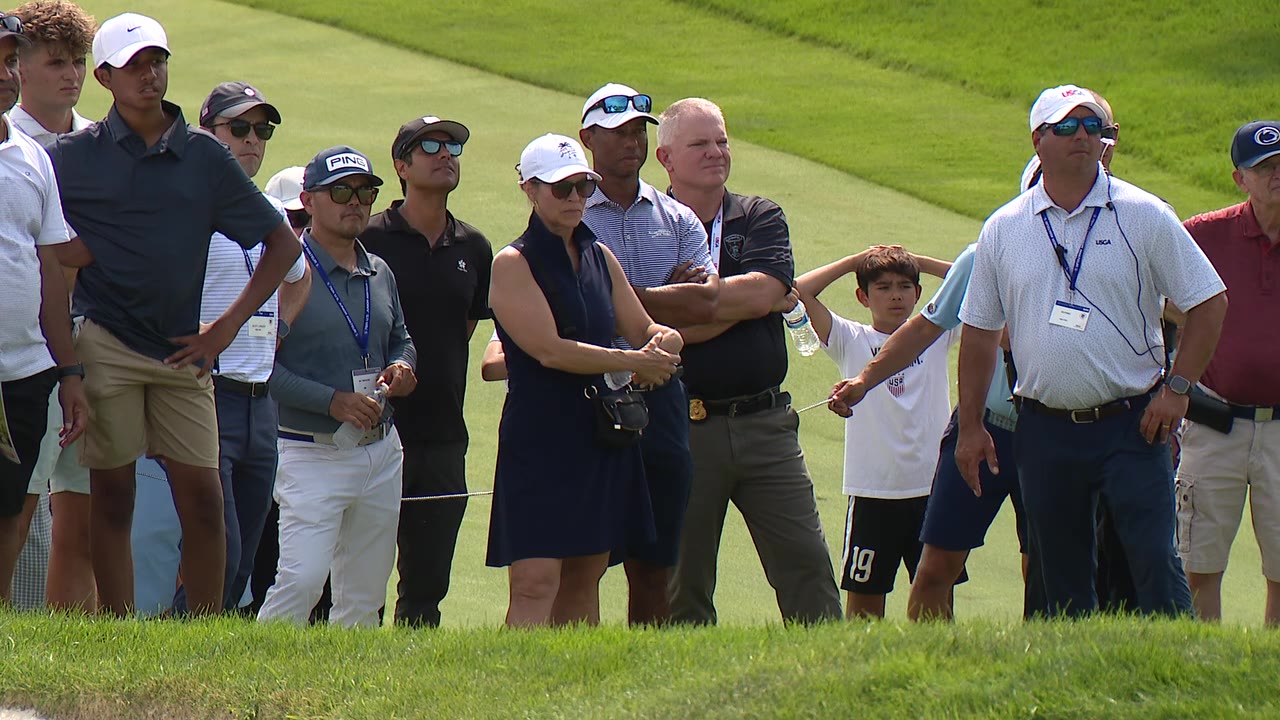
x,y
560,190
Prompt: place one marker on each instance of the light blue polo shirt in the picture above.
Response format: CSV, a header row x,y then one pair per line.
x,y
944,311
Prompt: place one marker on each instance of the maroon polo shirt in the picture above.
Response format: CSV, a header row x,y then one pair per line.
x,y
1245,368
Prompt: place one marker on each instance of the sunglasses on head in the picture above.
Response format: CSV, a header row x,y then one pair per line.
x,y
615,104
11,23
241,128
1068,126
431,146
341,194
560,190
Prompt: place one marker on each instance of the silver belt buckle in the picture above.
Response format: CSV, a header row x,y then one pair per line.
x,y
1264,414
1084,417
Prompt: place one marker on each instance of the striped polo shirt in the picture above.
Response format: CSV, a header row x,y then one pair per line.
x,y
651,238
247,358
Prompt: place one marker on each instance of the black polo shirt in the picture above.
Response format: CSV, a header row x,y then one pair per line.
x,y
751,356
441,290
147,214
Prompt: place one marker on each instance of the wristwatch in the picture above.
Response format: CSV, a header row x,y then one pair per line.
x,y
66,371
1178,385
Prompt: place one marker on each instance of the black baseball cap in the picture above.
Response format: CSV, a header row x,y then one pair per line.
x,y
413,130
233,99
1255,142
11,26
330,166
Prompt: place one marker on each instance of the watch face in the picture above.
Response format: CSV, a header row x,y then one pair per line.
x,y
1179,385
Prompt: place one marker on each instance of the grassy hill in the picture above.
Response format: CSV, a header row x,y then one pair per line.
x,y
930,98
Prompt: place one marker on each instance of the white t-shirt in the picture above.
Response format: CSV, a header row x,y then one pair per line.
x,y
1137,252
891,441
30,215
251,356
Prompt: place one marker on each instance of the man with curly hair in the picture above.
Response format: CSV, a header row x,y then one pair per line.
x,y
52,70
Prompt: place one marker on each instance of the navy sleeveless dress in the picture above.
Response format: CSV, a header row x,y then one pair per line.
x,y
557,493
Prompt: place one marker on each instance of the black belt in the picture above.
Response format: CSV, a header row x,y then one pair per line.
x,y
733,407
1085,415
1257,413
253,390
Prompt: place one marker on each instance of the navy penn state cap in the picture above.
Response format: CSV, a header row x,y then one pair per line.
x,y
1255,142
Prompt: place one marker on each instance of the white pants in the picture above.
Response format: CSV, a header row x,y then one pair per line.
x,y
339,510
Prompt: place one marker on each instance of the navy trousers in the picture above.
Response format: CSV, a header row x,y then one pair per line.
x,y
1065,468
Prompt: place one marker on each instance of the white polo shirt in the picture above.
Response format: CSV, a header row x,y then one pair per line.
x,y
32,127
1137,252
892,440
252,355
30,215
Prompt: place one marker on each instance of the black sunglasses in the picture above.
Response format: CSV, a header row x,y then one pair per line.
x,y
241,128
11,23
1069,126
615,104
431,147
562,189
341,194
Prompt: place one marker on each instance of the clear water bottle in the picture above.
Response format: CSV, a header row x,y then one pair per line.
x,y
802,332
617,379
348,436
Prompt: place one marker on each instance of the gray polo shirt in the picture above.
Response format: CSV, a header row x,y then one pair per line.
x,y
146,214
318,355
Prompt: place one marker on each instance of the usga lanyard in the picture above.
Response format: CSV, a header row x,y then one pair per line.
x,y
717,227
1061,252
361,340
248,263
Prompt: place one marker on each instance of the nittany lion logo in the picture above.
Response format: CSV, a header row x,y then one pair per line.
x,y
1267,136
347,160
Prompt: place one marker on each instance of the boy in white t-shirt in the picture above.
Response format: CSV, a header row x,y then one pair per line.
x,y
892,439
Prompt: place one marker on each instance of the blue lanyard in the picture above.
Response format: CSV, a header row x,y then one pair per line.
x,y
1061,252
361,340
248,263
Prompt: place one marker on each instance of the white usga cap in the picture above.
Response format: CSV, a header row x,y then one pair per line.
x,y
124,36
552,158
286,186
1056,103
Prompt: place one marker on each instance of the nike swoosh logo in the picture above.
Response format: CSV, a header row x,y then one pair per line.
x,y
135,27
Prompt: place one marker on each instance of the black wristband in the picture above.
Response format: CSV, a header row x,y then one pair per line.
x,y
66,371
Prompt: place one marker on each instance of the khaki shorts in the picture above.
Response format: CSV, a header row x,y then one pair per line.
x,y
1216,474
139,406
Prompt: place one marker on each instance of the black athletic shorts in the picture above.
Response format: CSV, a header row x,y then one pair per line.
x,y
26,407
879,535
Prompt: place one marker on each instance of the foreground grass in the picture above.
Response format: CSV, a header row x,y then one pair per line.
x,y
935,107
1106,667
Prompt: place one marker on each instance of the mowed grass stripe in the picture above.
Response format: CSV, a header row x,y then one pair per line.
x,y
1181,78
932,138
334,87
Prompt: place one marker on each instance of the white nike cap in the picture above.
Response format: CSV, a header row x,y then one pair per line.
x,y
124,36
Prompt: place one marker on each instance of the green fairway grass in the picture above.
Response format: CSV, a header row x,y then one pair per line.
x,y
229,669
361,90
930,126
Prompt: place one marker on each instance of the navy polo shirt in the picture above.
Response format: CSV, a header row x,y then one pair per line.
x,y
442,289
146,214
751,356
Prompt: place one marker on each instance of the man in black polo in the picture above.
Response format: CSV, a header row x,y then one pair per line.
x,y
743,432
145,194
442,271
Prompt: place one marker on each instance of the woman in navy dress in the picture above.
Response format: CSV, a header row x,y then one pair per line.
x,y
562,501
